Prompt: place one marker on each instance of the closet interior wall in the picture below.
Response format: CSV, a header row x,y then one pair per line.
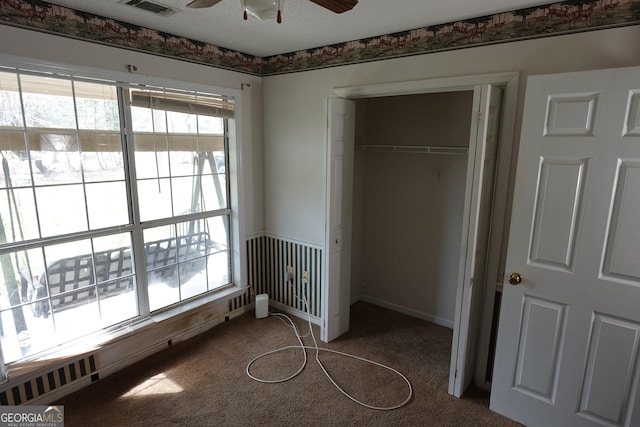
x,y
408,203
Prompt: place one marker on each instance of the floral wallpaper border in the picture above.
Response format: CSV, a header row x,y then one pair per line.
x,y
48,17
553,19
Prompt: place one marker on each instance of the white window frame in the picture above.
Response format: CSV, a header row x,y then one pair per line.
x,y
234,160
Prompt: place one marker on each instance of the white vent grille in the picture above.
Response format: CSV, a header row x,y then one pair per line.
x,y
62,375
151,6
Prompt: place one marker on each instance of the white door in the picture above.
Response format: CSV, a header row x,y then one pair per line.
x,y
483,146
340,149
567,351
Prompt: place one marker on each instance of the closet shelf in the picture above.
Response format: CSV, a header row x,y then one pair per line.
x,y
424,149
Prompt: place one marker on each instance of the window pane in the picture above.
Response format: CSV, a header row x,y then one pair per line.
x,y
18,213
161,251
203,255
210,124
194,244
195,240
193,278
21,271
154,197
153,163
181,123
48,102
185,196
37,335
187,265
218,265
102,158
107,204
11,111
213,191
218,269
69,267
15,170
97,106
148,120
21,322
115,277
55,157
182,161
61,209
220,162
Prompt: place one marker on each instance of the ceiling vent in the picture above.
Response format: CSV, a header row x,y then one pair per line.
x,y
150,6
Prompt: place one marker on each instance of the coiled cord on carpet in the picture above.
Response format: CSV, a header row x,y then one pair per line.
x,y
317,350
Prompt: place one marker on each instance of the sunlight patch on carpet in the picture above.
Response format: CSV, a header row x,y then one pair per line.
x,y
158,384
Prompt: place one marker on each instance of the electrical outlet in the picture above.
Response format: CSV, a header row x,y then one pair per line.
x,y
288,275
305,276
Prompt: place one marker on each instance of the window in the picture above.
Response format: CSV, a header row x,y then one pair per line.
x,y
114,203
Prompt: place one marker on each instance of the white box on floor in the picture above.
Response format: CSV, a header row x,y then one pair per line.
x,y
262,306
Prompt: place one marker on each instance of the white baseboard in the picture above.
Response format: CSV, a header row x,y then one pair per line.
x,y
355,299
405,310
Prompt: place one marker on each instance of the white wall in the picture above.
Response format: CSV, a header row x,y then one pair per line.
x,y
294,109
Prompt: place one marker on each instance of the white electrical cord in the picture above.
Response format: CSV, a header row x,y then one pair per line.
x,y
318,349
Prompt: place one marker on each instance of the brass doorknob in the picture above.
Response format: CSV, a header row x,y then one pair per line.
x,y
515,279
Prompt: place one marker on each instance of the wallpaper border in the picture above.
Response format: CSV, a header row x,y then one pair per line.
x,y
553,19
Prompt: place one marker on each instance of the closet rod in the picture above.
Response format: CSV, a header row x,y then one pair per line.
x,y
424,149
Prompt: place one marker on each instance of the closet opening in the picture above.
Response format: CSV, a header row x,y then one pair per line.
x,y
425,222
410,168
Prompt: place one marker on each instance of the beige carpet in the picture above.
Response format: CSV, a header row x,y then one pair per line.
x,y
203,382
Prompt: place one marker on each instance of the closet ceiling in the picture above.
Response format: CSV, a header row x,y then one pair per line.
x,y
304,24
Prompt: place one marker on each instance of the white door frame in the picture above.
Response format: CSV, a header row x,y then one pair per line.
x,y
509,82
476,230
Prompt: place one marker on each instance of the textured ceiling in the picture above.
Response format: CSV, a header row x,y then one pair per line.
x,y
305,24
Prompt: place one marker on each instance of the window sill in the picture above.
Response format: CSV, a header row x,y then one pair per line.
x,y
103,339
225,294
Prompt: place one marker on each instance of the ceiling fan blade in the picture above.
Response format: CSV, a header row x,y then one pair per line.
x,y
199,4
337,6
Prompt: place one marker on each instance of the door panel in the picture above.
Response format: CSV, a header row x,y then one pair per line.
x,y
632,124
542,337
624,228
567,351
557,212
571,114
611,360
340,148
